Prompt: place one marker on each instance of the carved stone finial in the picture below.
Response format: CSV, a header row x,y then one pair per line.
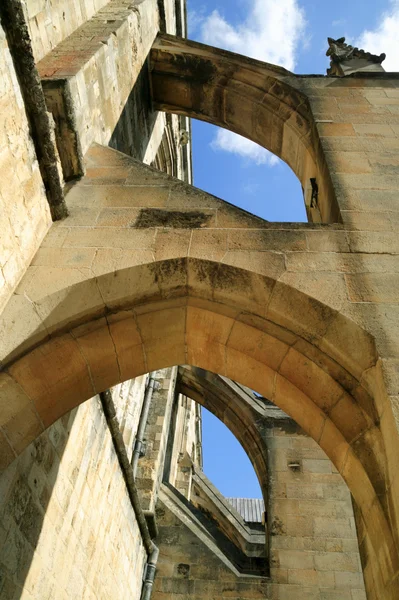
x,y
345,59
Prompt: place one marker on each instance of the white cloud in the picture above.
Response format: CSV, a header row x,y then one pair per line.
x,y
384,38
236,144
271,32
195,18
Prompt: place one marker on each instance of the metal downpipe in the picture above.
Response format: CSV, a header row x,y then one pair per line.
x,y
149,577
138,444
127,470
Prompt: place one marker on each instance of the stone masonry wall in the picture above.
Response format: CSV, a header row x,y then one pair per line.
x,y
67,528
314,550
96,83
128,399
188,569
24,213
186,449
52,22
122,119
150,466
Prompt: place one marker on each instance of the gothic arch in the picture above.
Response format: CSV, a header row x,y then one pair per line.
x,y
257,100
197,312
237,410
212,290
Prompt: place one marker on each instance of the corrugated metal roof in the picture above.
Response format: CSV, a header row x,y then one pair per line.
x,y
251,509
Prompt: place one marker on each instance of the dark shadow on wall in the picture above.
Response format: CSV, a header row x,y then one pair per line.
x,y
26,490
134,128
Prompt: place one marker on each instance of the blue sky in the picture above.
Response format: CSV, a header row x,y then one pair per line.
x,y
225,462
293,34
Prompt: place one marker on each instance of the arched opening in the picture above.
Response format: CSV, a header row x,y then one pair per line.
x,y
241,536
245,175
259,101
198,313
225,462
236,409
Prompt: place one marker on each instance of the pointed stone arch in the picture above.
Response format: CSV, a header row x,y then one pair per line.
x,y
200,313
257,100
180,277
237,410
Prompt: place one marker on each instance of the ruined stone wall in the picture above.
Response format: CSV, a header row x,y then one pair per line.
x,y
67,528
24,213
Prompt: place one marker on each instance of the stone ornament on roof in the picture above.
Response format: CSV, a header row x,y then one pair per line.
x,y
346,59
